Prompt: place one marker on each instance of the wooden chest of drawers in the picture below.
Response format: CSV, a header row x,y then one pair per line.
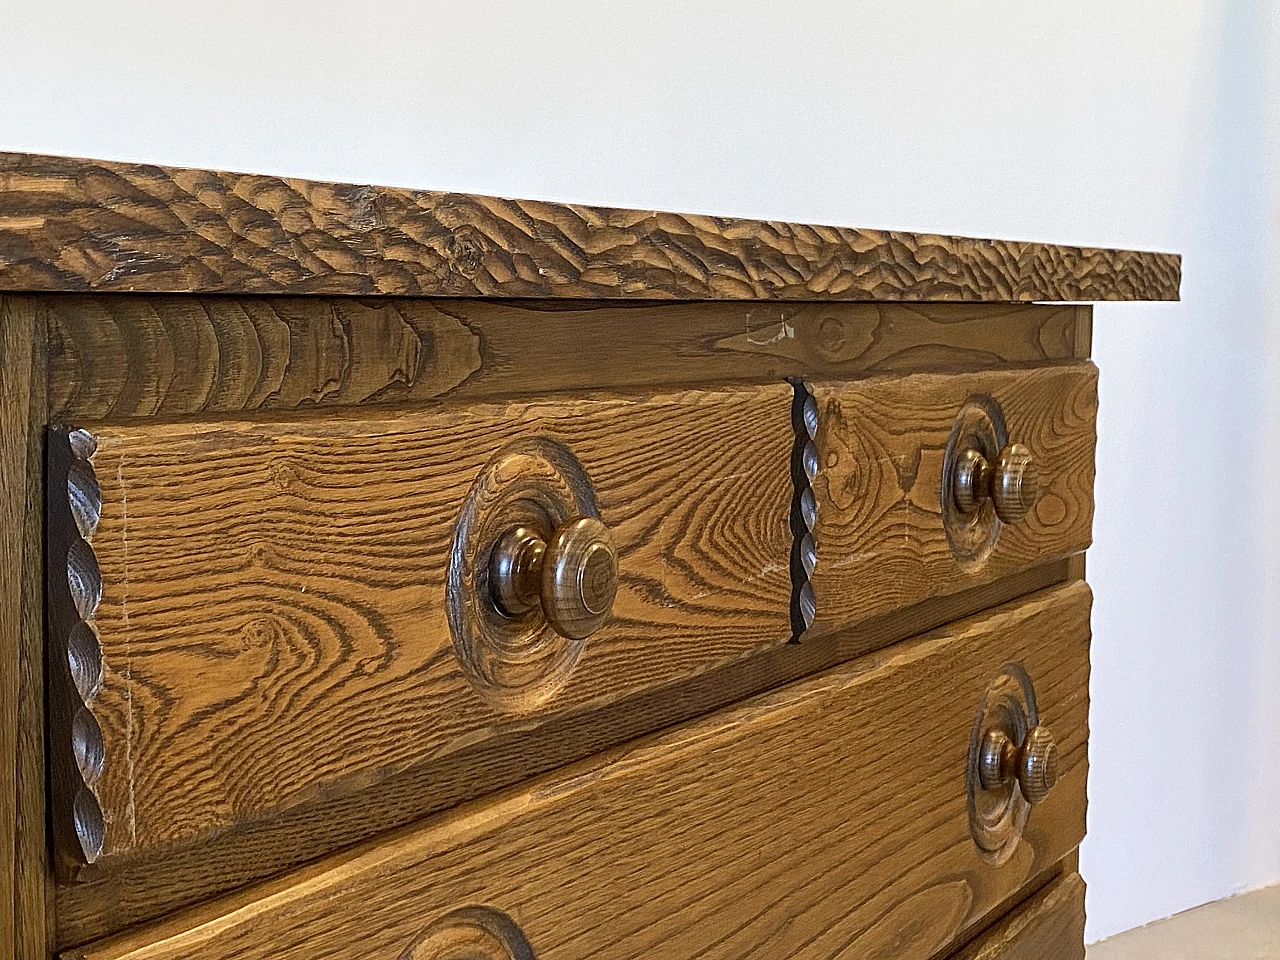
x,y
547,582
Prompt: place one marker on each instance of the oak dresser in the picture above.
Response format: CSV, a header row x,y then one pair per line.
x,y
399,574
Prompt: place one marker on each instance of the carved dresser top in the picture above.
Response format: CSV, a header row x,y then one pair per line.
x,y
86,225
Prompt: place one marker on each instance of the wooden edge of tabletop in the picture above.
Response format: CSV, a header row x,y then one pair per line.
x,y
25,901
81,225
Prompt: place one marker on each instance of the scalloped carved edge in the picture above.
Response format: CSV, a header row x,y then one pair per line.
x,y
74,590
804,508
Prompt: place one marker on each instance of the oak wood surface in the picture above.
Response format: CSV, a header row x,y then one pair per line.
x,y
148,887
15,394
120,357
24,905
1049,926
273,623
1083,329
34,879
79,225
825,819
881,444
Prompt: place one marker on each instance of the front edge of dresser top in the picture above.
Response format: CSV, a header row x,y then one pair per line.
x,y
90,225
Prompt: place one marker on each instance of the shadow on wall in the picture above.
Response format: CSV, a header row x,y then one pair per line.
x,y
1186,567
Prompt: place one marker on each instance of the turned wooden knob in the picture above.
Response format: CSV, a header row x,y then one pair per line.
x,y
1034,764
573,577
1012,483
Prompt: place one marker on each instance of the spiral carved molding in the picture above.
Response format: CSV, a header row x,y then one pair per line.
x,y
804,512
74,588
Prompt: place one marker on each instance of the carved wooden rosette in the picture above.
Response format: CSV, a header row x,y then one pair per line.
x,y
471,933
804,512
997,816
514,662
74,590
979,426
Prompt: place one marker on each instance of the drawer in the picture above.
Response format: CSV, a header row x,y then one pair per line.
x,y
843,815
251,615
1050,926
882,458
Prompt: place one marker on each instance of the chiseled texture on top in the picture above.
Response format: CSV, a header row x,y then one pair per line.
x,y
76,225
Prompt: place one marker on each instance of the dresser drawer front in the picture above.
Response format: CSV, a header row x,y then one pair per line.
x,y
275,622
1049,926
876,462
826,819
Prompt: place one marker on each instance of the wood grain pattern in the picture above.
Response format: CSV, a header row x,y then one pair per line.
x,y
35,886
15,394
1083,329
272,620
1050,926
880,449
122,357
24,907
79,225
825,819
144,888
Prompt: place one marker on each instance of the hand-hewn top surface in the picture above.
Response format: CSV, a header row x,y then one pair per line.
x,y
69,224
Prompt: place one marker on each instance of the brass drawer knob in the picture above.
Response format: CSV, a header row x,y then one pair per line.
x,y
573,577
1012,483
1034,765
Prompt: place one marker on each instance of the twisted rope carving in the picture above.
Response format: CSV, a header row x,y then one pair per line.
x,y
75,590
804,513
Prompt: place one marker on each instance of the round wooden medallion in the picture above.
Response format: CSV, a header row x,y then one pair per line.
x,y
516,662
979,427
997,816
471,933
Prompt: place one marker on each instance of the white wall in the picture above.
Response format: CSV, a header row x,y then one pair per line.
x,y
1151,123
